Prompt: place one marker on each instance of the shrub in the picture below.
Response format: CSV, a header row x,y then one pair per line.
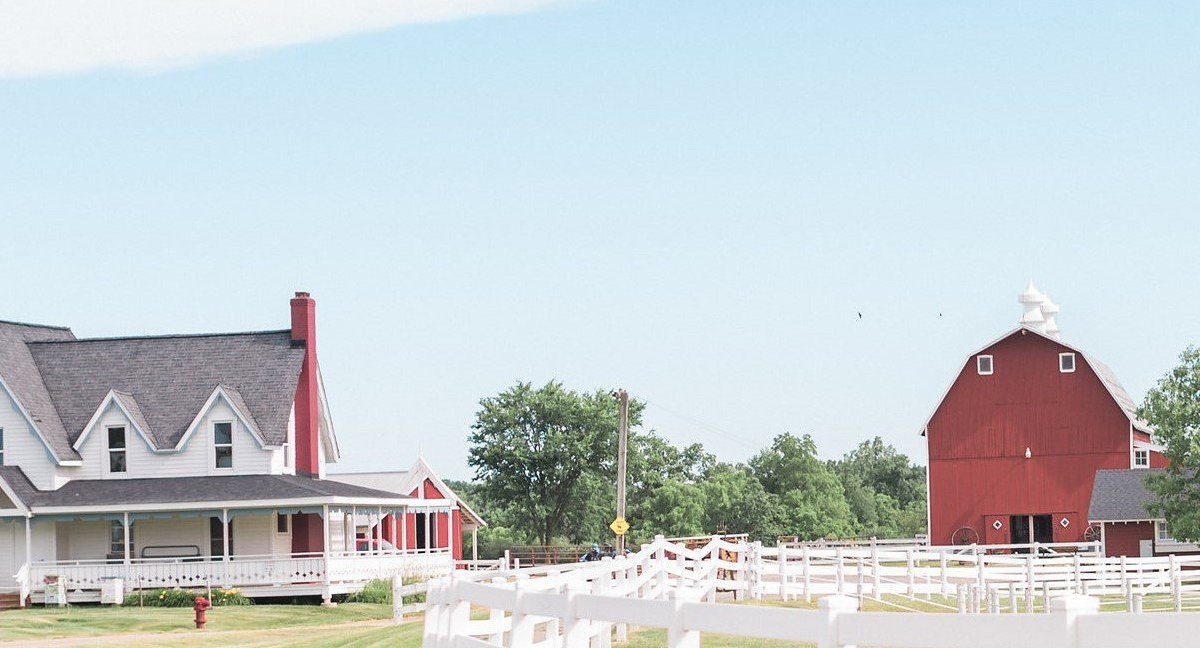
x,y
380,591
177,597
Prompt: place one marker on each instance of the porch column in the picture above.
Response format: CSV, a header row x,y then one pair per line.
x,y
354,529
347,532
225,535
125,535
428,536
28,543
395,548
326,597
404,529
475,543
379,531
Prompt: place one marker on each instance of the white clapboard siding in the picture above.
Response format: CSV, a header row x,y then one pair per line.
x,y
23,448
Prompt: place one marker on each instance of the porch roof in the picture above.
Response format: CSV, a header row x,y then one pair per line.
x,y
174,493
1121,495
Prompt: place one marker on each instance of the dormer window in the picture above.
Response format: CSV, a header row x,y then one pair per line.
x,y
983,364
1066,362
1141,458
116,449
223,444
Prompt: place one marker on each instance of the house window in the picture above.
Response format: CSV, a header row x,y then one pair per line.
x,y
283,522
216,538
116,449
1141,458
1162,532
1066,362
223,443
116,538
287,459
983,364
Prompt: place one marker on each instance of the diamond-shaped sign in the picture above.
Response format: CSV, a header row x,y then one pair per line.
x,y
997,525
1065,522
619,526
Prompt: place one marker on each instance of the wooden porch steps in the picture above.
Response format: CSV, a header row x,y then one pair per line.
x,y
10,601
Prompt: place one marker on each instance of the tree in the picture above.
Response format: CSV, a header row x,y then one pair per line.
x,y
812,503
1173,408
885,490
547,455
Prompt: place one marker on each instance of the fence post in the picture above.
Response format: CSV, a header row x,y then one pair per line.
x,y
859,565
757,554
1125,589
660,563
397,599
496,616
1012,597
507,560
806,561
521,634
875,570
677,635
457,614
1030,584
1078,575
1069,608
830,608
1137,602
960,594
783,593
1176,585
841,571
945,580
908,559
623,578
433,608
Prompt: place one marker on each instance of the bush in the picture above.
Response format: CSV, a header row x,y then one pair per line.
x,y
177,597
376,591
380,591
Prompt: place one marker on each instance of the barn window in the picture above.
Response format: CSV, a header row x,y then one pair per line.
x,y
1066,362
1141,458
983,364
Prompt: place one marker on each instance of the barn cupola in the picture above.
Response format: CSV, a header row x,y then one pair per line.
x,y
1031,300
1050,318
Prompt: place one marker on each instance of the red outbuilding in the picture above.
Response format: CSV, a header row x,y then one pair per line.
x,y
1015,443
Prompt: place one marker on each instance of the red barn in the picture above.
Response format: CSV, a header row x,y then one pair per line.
x,y
1015,443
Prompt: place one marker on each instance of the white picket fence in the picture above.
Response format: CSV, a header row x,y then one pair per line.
x,y
668,586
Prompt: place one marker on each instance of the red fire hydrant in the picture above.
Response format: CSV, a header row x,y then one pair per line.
x,y
201,608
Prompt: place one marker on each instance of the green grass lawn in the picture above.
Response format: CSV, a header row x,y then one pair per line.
x,y
48,623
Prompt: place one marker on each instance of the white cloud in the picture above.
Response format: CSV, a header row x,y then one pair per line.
x,y
62,36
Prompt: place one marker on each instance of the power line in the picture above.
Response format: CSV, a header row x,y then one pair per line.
x,y
708,426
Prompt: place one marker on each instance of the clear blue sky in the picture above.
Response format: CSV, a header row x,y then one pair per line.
x,y
691,200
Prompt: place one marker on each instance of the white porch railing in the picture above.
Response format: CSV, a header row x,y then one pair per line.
x,y
241,571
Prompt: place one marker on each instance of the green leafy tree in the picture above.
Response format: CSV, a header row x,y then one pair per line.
x,y
811,502
1173,408
546,454
736,502
885,490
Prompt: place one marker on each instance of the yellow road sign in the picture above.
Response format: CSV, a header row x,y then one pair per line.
x,y
619,526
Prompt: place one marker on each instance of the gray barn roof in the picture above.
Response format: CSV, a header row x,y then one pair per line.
x,y
164,381
1121,496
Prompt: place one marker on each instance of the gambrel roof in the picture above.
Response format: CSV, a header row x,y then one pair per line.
x,y
161,382
1107,377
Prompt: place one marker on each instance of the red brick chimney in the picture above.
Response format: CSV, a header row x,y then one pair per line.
x,y
304,330
307,528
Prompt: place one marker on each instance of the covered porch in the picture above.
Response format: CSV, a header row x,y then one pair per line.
x,y
267,541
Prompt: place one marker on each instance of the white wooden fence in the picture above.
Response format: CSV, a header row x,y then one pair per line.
x,y
668,586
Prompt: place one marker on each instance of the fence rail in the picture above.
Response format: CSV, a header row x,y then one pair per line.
x,y
671,586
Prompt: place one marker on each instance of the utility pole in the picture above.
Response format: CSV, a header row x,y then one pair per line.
x,y
622,449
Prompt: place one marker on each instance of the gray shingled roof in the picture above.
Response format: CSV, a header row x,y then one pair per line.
x,y
20,373
1121,495
187,490
164,381
19,483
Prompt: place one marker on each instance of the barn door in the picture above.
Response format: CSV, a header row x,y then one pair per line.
x,y
1019,526
1043,529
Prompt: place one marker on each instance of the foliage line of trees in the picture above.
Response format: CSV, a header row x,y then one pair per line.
x,y
545,460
